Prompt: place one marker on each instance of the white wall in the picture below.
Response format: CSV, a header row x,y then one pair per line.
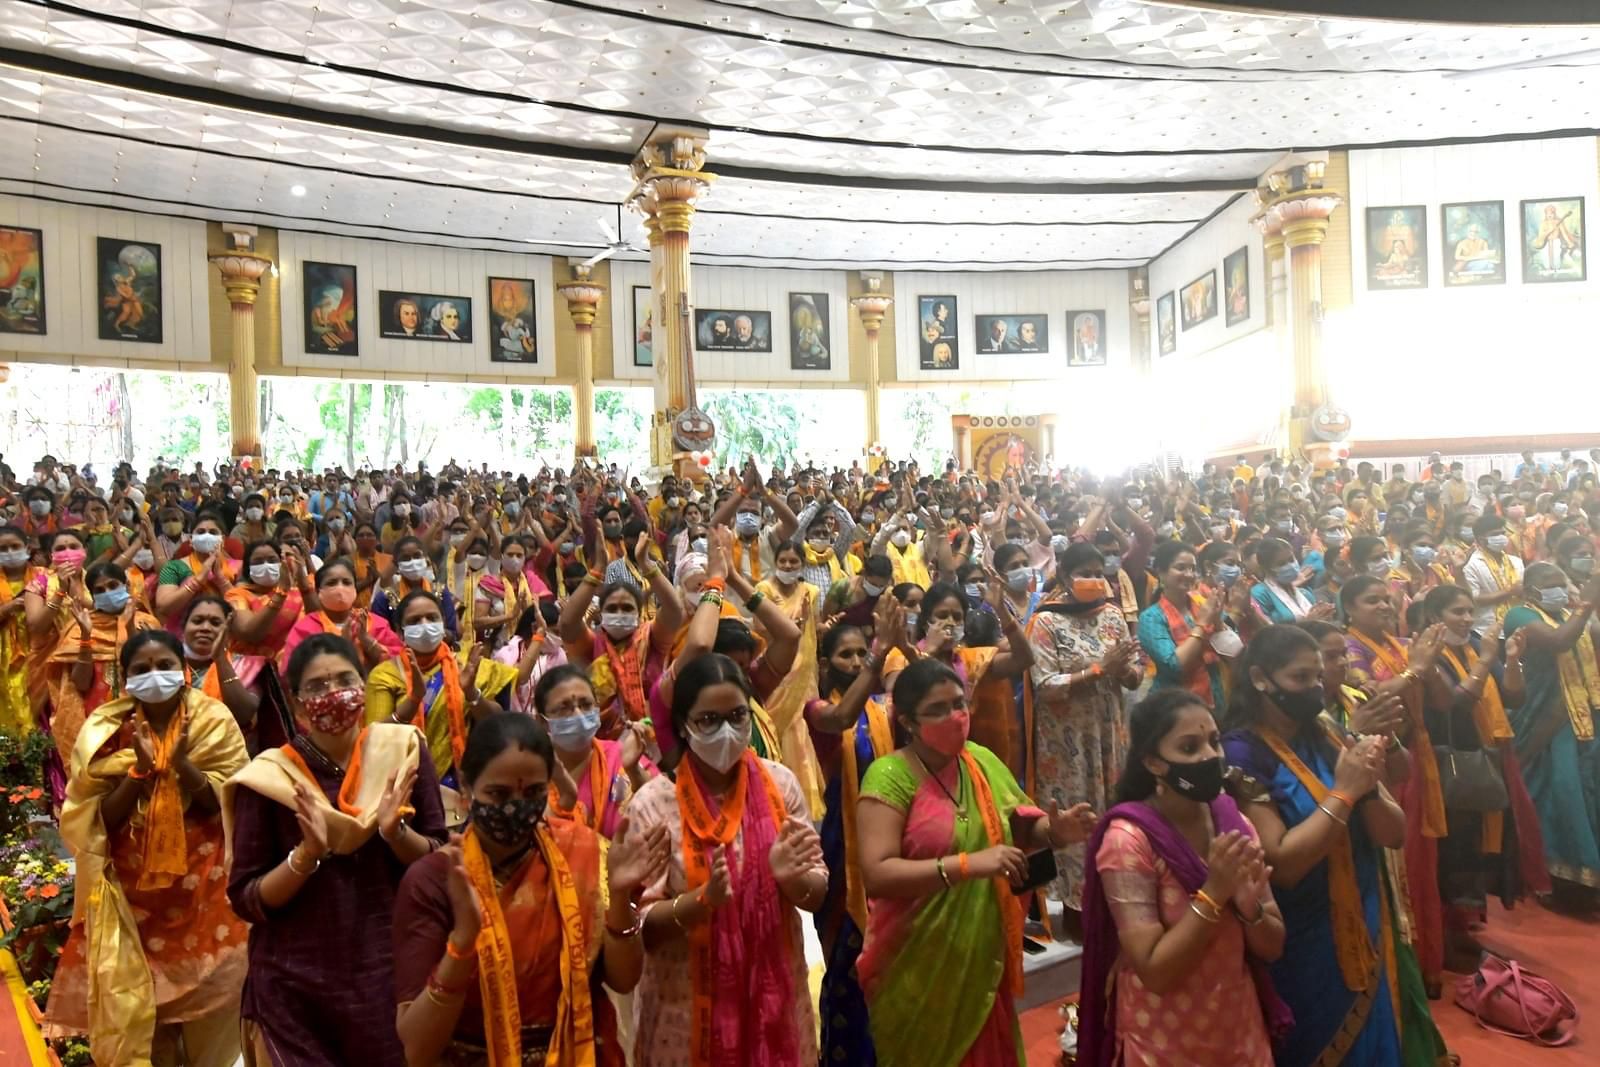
x,y
1192,257
1473,353
1047,293
71,285
738,289
415,269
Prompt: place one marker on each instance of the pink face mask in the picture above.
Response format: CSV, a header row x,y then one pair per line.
x,y
337,597
68,557
947,736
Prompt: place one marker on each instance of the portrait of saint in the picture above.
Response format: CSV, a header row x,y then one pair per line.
x,y
1397,242
1553,241
130,291
511,321
1088,338
808,332
21,280
1199,300
643,327
1166,325
1236,273
1473,243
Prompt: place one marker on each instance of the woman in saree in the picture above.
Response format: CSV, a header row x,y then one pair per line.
x,y
16,571
481,594
412,573
269,599
503,949
940,633
1185,635
743,862
797,599
439,690
534,643
320,831
850,728
370,563
336,613
1382,665
214,670
1083,662
139,553
156,957
1315,795
624,653
201,566
605,774
1179,920
1498,852
944,831
1555,724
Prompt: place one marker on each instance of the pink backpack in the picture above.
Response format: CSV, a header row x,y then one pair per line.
x,y
1509,1000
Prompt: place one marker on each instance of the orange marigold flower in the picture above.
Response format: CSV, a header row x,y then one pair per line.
x,y
35,794
30,893
50,891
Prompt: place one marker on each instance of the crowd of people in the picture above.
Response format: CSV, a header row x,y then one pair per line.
x,y
473,767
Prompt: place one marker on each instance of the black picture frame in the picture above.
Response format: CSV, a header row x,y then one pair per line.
x,y
1019,334
810,332
938,347
513,321
22,290
1397,247
1478,266
438,319
644,350
128,290
1236,286
1086,337
330,308
1531,216
718,330
1197,301
1167,323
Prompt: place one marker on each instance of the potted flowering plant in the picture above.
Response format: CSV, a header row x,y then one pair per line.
x,y
36,885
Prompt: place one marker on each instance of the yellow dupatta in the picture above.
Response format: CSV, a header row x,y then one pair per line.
x,y
122,994
1505,577
15,631
786,705
1580,687
881,736
1489,718
1392,655
755,557
825,558
908,564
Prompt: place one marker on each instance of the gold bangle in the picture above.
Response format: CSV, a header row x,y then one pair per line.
x,y
1206,899
441,1001
1194,907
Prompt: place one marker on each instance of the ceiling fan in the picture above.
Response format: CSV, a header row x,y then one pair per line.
x,y
614,242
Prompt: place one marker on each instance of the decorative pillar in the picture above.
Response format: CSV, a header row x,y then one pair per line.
x,y
872,306
1296,209
242,270
1138,320
668,180
583,304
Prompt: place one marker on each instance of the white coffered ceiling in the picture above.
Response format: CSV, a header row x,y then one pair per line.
x,y
917,134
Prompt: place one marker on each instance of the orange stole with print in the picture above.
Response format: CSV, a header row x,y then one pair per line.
x,y
1010,904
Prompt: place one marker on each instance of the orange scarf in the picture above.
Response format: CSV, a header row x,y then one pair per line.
x,y
454,699
1198,678
755,558
882,737
627,667
1489,718
351,786
1010,903
1392,654
1358,959
701,833
572,1044
599,789
166,848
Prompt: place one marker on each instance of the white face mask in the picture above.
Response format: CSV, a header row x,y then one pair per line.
x,y
144,559
252,514
475,561
413,569
424,636
16,557
788,577
206,543
154,687
266,573
723,747
619,624
901,538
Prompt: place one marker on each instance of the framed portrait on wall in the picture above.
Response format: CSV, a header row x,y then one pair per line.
x,y
1553,241
1166,325
512,337
329,308
129,290
424,317
1198,300
1086,338
21,280
1397,247
1013,334
810,347
716,330
643,327
1236,276
1473,242
937,347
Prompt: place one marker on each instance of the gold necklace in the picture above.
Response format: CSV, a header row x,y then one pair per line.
x,y
961,811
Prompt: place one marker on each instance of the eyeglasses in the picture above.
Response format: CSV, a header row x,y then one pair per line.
x,y
323,686
709,722
571,707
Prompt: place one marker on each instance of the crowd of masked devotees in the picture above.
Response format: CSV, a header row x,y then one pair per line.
x,y
484,768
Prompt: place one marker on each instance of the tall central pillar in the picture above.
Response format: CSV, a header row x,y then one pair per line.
x,y
242,270
1139,320
872,306
583,304
668,180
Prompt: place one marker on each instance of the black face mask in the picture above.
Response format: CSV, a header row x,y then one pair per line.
x,y
841,681
511,823
1200,780
1303,707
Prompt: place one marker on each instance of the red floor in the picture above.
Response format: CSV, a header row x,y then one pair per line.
x,y
1563,948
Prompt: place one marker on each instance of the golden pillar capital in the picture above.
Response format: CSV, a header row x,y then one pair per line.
x,y
872,306
241,275
242,270
582,296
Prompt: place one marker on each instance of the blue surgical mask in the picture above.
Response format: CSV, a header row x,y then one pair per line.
x,y
1555,598
1582,564
1423,554
747,524
111,601
698,545
1333,538
1497,542
1287,573
574,733
974,592
1227,573
911,619
1017,580
1465,533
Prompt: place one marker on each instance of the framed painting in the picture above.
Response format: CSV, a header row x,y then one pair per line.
x,y
1166,324
329,306
1086,332
1013,334
129,290
938,347
1236,276
810,347
1198,300
512,335
424,317
717,330
1473,242
21,280
643,327
1397,247
1553,241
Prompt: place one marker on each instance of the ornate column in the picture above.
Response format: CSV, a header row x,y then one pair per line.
x,y
872,307
668,180
583,304
1138,320
1296,209
242,270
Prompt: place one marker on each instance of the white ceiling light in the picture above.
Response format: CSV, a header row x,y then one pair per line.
x,y
297,190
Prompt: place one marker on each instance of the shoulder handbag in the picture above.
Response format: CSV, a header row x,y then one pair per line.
x,y
1469,778
1509,1000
